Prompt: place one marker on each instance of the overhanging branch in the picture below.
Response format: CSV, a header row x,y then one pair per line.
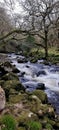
x,y
40,45
29,32
14,31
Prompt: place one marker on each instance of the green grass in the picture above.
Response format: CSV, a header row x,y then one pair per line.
x,y
33,125
8,123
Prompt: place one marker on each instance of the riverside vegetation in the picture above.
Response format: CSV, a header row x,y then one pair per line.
x,y
24,110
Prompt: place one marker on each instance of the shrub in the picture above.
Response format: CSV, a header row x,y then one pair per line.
x,y
8,123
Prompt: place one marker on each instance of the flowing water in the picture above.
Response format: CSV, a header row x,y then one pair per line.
x,y
32,74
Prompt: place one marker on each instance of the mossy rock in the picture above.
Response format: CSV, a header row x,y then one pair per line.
x,y
2,82
25,117
49,126
35,103
7,66
46,121
17,98
41,95
21,128
7,63
57,125
52,122
14,84
10,76
48,110
13,92
33,60
40,109
34,98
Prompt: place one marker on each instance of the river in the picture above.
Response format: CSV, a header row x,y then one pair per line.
x,y
31,74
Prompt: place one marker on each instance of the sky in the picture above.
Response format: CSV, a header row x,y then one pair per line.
x,y
16,6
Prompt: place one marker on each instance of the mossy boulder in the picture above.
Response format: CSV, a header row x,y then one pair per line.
x,y
17,98
12,84
44,111
1,82
33,60
2,71
21,128
10,76
35,103
40,109
7,66
49,126
57,125
25,117
41,95
48,123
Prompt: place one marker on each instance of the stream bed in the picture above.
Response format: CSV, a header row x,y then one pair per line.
x,y
32,75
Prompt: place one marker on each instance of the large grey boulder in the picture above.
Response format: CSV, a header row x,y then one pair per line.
x,y
2,99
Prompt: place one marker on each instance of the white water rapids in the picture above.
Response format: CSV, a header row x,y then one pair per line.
x,y
35,73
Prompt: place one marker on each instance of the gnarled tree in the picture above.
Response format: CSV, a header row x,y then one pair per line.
x,y
38,18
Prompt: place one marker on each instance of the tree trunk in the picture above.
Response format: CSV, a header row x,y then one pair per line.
x,y
46,44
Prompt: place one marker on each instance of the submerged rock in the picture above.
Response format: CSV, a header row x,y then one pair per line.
x,y
22,60
41,72
40,86
2,99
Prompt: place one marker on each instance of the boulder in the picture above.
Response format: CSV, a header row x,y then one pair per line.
x,y
15,70
10,76
11,81
2,71
40,86
41,72
22,60
26,116
33,60
7,66
41,95
12,84
2,99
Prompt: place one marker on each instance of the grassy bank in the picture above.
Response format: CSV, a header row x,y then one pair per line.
x,y
53,54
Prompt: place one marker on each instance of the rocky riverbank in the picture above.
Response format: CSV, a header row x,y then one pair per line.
x,y
30,110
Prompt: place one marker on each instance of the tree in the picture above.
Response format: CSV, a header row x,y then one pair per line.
x,y
5,22
39,17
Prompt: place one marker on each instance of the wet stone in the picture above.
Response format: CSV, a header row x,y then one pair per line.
x,y
2,99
